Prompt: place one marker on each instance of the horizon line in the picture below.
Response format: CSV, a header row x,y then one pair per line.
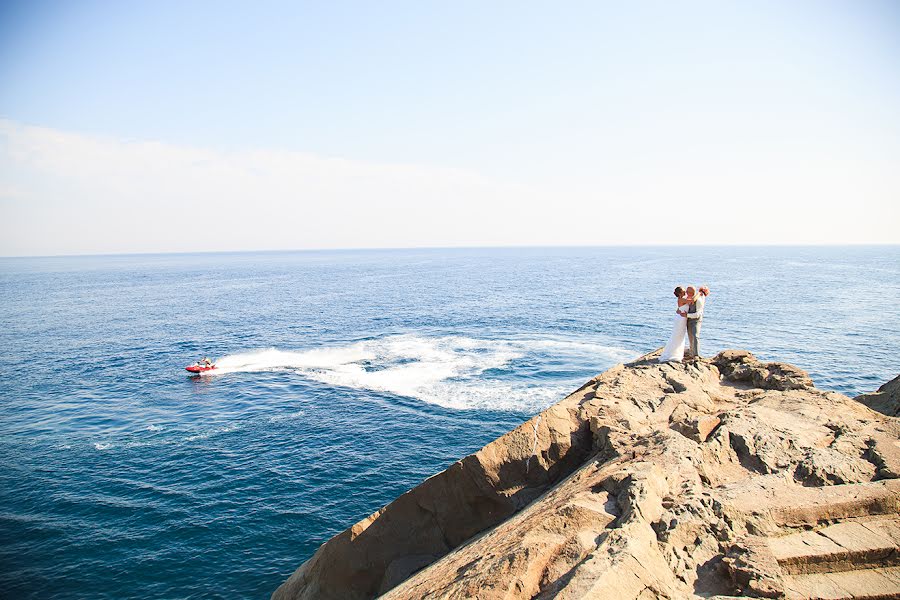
x,y
473,247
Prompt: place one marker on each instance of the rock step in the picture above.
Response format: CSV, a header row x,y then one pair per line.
x,y
798,506
845,546
865,584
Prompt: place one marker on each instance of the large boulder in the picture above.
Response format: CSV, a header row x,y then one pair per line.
x,y
740,366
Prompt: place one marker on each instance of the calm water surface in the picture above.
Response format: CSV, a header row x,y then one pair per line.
x,y
346,379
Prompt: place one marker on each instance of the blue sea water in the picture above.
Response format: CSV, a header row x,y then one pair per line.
x,y
346,378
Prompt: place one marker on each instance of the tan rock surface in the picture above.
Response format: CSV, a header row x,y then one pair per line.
x,y
651,481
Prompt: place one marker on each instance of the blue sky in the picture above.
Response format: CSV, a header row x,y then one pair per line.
x,y
467,123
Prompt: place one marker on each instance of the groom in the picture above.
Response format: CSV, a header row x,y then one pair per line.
x,y
695,317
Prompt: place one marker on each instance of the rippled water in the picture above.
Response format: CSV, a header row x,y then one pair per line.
x,y
346,378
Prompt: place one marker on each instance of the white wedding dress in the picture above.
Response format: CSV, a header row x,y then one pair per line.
x,y
674,350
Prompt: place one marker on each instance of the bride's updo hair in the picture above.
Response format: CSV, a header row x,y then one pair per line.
x,y
679,292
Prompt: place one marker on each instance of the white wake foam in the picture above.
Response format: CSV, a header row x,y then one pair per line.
x,y
449,371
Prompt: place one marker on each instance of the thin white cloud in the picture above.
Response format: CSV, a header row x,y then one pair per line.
x,y
64,192
80,193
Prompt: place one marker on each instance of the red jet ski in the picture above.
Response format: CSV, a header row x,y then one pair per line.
x,y
200,368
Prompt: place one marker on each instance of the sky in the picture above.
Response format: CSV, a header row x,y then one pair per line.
x,y
207,126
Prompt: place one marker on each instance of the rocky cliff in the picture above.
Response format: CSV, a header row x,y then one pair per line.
x,y
726,477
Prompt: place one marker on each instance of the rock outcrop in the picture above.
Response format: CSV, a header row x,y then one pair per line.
x,y
886,400
727,477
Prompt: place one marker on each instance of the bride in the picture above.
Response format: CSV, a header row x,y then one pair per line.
x,y
674,350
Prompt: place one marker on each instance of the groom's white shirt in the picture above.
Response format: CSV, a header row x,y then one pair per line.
x,y
698,314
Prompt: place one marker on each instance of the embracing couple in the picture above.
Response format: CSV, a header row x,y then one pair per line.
x,y
688,318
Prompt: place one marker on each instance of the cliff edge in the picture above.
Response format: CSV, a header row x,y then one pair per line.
x,y
724,477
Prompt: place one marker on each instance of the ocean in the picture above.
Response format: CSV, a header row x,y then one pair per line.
x,y
346,378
